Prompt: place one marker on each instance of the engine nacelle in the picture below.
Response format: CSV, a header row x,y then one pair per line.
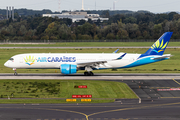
x,y
68,69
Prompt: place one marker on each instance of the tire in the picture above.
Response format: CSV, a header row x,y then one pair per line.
x,y
91,73
86,73
15,74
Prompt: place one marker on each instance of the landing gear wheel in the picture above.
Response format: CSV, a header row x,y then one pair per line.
x,y
88,73
15,74
91,73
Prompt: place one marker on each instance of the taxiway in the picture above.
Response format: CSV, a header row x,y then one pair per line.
x,y
164,105
158,110
97,76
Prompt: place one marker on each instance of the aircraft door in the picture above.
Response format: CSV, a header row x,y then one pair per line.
x,y
21,60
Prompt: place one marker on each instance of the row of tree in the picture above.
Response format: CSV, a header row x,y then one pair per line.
x,y
27,12
120,26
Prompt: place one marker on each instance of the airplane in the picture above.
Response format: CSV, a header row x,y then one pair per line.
x,y
70,63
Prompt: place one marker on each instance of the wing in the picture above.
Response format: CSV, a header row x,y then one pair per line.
x,y
96,63
91,63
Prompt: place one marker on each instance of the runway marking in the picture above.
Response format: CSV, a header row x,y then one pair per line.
x,y
170,97
114,119
162,87
176,81
132,108
69,111
108,111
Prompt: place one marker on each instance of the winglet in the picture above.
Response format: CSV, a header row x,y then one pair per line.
x,y
121,56
116,51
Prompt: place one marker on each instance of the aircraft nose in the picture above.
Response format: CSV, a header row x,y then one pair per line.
x,y
6,64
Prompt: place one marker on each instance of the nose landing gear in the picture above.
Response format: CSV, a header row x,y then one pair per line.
x,y
15,73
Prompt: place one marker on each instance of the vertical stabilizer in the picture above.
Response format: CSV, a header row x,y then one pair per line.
x,y
159,46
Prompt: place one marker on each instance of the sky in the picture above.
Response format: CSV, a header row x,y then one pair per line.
x,y
155,6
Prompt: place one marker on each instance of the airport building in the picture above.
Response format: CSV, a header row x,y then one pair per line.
x,y
77,16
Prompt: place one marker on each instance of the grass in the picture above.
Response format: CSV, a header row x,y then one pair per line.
x,y
101,91
168,66
88,44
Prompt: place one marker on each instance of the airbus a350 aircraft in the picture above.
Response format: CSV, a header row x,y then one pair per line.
x,y
70,63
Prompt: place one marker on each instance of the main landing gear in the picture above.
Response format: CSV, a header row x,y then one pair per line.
x,y
88,73
15,73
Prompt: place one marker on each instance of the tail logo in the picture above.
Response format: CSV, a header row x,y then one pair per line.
x,y
29,60
159,46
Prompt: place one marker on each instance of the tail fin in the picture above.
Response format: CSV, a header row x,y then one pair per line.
x,y
159,46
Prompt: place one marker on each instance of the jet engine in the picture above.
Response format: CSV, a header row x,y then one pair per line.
x,y
68,69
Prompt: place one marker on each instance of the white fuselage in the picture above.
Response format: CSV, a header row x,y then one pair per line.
x,y
54,60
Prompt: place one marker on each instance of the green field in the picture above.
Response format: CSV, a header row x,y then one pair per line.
x,y
168,66
101,91
88,44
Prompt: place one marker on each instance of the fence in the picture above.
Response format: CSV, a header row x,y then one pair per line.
x,y
59,41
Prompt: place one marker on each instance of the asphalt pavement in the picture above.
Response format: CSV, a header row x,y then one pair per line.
x,y
163,109
97,76
154,105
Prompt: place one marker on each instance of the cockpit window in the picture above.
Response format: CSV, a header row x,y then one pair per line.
x,y
11,59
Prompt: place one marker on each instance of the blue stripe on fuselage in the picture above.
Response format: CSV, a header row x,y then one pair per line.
x,y
138,62
143,61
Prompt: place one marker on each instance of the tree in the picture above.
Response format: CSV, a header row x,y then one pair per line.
x,y
73,36
64,32
114,28
157,31
40,29
146,35
84,37
46,37
171,15
11,30
110,36
1,37
130,20
105,14
5,33
123,34
51,30
23,29
131,29
96,37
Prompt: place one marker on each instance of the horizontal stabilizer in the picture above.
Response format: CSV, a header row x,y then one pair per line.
x,y
162,57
